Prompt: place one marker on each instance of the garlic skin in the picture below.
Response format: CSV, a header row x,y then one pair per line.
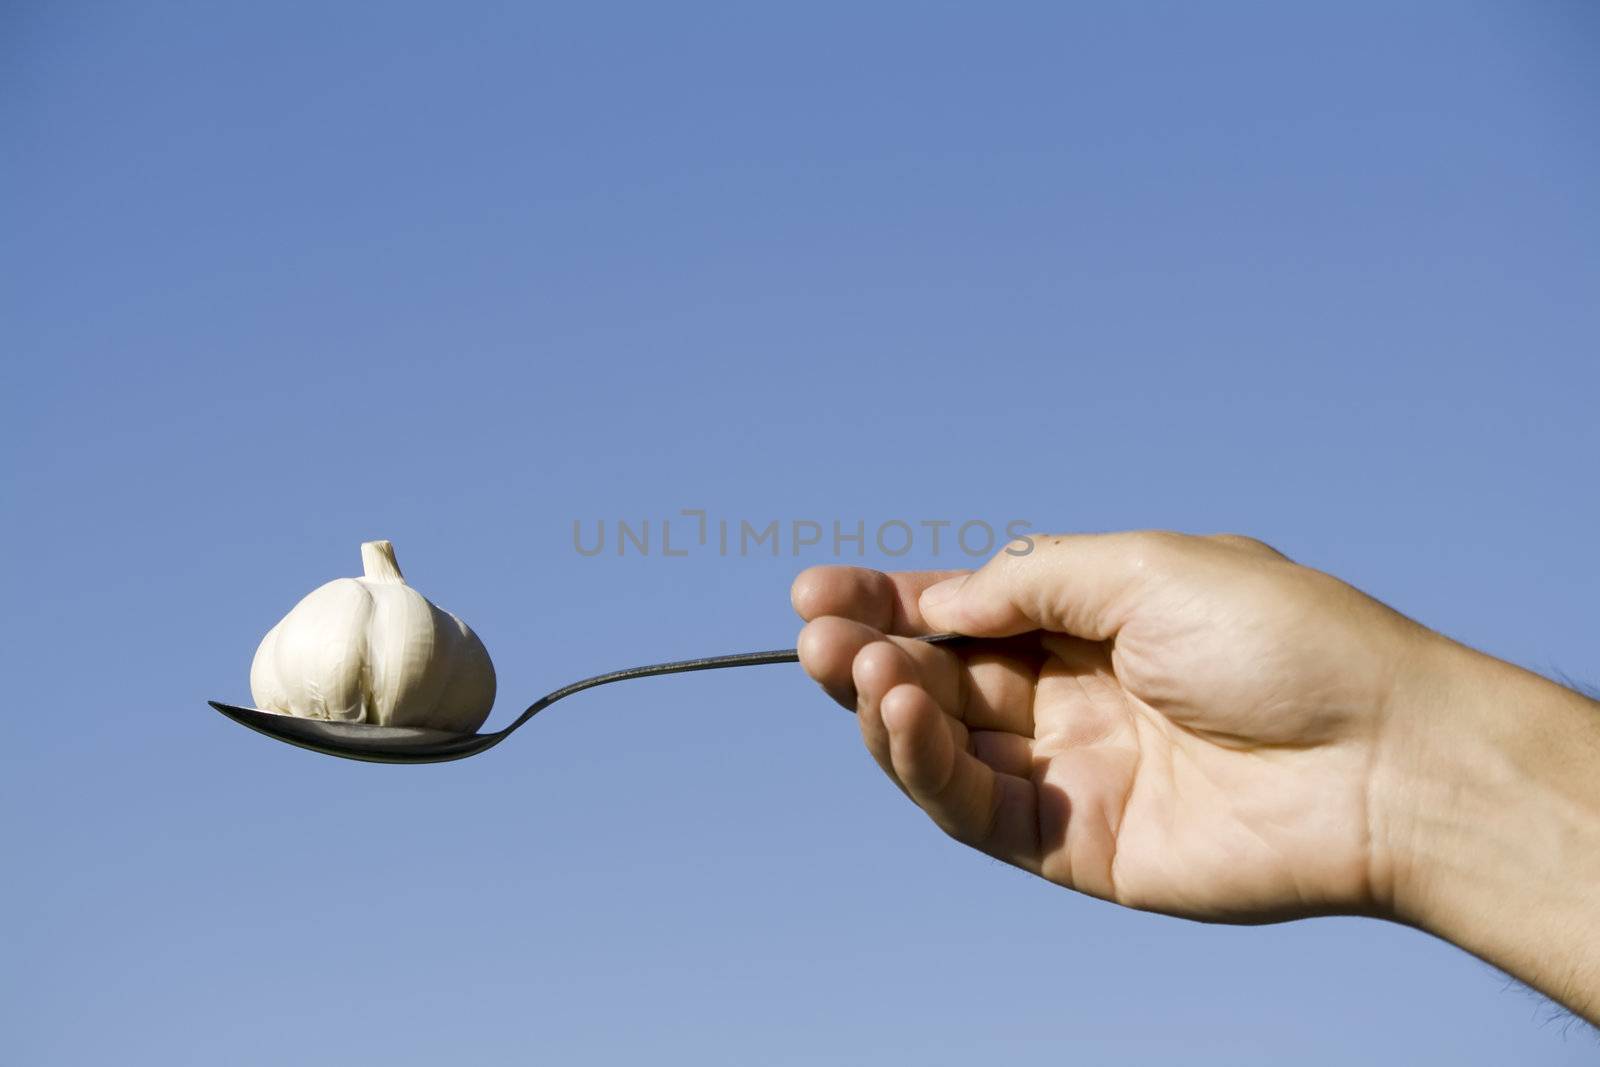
x,y
374,650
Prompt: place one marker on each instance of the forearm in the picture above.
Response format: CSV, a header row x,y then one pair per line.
x,y
1496,842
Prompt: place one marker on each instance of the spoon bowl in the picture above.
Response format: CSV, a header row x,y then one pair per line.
x,y
361,740
372,743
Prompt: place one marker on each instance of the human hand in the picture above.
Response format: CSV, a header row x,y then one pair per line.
x,y
1199,726
1191,725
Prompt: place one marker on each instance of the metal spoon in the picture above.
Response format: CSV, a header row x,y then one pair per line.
x,y
412,744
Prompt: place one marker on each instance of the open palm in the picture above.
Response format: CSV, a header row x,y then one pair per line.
x,y
1181,724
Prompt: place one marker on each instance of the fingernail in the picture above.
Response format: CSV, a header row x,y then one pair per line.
x,y
943,592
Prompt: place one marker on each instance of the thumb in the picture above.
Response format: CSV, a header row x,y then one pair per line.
x,y
1080,584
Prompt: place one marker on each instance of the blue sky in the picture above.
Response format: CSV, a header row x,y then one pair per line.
x,y
282,278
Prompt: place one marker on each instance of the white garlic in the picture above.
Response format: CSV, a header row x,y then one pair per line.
x,y
373,649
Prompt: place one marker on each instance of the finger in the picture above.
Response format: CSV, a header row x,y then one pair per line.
x,y
827,648
1082,584
886,602
988,688
997,813
877,669
891,661
996,686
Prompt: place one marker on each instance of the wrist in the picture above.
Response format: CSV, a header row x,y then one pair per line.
x,y
1490,792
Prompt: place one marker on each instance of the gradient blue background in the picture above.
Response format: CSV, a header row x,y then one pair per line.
x,y
282,277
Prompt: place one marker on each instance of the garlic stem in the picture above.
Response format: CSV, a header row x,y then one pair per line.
x,y
378,562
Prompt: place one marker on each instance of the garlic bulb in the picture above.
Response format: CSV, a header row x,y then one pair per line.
x,y
373,649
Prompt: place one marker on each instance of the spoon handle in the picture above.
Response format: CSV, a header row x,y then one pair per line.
x,y
683,666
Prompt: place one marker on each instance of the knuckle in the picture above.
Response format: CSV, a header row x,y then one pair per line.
x,y
1152,551
1005,569
1247,543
